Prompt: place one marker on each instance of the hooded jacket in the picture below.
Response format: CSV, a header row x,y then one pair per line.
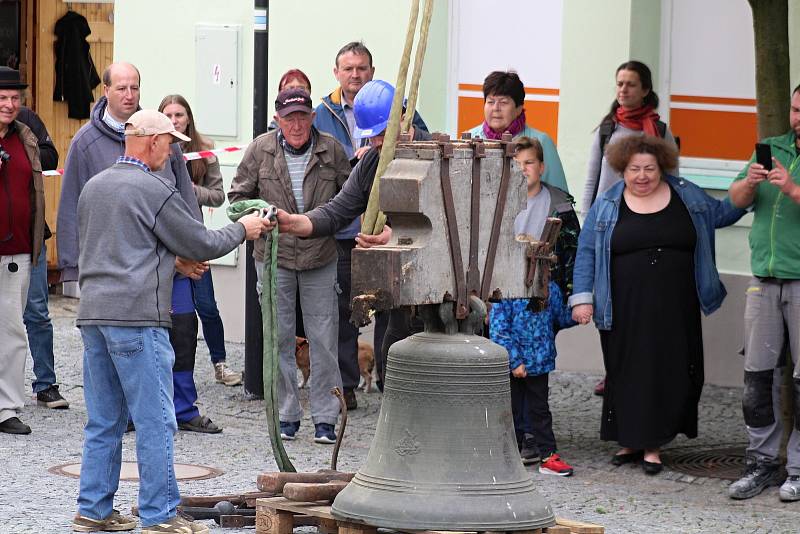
x,y
76,76
94,149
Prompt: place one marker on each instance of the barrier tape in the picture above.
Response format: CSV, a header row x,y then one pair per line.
x,y
189,156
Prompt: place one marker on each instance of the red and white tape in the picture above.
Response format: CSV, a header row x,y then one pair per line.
x,y
189,156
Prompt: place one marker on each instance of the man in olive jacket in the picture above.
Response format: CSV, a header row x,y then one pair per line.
x,y
297,168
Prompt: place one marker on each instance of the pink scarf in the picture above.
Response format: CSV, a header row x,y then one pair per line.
x,y
516,126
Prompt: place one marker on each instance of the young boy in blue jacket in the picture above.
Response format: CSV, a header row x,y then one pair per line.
x,y
527,329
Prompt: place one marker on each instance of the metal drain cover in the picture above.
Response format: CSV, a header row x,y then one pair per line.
x,y
726,462
129,471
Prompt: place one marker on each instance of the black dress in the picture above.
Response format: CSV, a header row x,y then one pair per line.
x,y
654,351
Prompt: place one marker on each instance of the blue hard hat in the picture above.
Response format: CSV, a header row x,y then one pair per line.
x,y
371,108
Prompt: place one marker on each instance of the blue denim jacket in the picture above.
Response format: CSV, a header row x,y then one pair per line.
x,y
592,274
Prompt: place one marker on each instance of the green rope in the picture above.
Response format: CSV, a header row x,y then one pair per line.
x,y
269,314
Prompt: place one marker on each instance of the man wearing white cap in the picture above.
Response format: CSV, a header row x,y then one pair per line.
x,y
126,267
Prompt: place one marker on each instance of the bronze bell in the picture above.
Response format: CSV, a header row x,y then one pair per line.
x,y
444,455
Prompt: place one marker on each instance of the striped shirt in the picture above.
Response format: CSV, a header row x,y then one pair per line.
x,y
297,172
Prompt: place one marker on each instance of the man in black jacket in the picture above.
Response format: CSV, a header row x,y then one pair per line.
x,y
37,315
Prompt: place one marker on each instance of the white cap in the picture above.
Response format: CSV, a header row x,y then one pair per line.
x,y
151,122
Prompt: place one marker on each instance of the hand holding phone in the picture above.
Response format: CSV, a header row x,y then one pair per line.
x,y
764,155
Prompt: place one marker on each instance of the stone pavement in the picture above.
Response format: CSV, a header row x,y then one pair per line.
x,y
623,499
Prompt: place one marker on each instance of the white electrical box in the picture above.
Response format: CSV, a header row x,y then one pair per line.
x,y
217,67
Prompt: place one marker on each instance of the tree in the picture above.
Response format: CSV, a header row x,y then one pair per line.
x,y
771,31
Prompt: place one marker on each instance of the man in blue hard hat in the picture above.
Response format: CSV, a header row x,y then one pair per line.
x,y
336,115
372,106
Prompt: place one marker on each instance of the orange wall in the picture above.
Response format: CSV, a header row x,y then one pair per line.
x,y
715,133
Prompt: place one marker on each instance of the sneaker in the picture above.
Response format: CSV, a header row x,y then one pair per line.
x,y
758,476
289,429
224,375
323,433
13,425
51,398
554,465
116,522
790,490
176,525
350,399
528,451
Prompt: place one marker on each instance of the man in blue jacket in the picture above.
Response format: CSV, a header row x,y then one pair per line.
x,y
353,68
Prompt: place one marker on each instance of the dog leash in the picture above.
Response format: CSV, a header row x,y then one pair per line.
x,y
269,314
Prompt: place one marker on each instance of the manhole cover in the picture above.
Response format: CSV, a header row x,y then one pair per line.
x,y
129,471
726,462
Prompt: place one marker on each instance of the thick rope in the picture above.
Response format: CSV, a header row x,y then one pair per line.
x,y
269,315
422,46
374,219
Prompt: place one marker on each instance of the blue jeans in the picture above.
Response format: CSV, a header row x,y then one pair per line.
x,y
128,369
206,306
39,327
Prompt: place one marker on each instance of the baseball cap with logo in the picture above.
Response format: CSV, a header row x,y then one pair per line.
x,y
151,122
291,100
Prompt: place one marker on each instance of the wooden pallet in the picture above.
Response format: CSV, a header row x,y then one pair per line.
x,y
277,515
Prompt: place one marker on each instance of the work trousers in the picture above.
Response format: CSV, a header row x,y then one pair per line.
x,y
317,295
183,338
771,320
40,327
15,273
348,333
530,406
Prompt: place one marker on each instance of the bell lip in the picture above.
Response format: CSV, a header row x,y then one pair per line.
x,y
419,524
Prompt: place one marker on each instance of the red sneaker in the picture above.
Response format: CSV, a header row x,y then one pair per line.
x,y
600,388
554,465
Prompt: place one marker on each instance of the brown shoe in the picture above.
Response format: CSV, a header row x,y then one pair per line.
x,y
176,525
116,522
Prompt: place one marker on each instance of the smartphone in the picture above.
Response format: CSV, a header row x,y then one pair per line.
x,y
764,155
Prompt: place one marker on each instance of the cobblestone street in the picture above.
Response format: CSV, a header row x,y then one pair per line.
x,y
623,499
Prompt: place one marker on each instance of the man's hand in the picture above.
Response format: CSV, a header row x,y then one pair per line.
x,y
292,223
756,174
582,313
361,151
780,178
367,240
190,268
519,372
254,226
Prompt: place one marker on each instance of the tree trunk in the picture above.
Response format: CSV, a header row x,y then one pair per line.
x,y
771,31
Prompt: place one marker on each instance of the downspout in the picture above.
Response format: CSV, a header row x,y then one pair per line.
x,y
253,339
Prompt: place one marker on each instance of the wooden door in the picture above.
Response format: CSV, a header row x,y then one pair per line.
x,y
44,14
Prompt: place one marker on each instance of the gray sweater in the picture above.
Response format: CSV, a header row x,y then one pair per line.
x,y
131,225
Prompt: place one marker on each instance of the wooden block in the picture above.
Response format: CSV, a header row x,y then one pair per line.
x,y
327,526
355,528
578,527
558,530
272,521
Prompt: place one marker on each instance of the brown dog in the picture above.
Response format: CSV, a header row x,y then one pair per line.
x,y
366,363
302,358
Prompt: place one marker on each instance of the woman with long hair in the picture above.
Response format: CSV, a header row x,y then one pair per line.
x,y
207,179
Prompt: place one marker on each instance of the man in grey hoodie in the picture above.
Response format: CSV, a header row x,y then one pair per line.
x,y
126,265
95,148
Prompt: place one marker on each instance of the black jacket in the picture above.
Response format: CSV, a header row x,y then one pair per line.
x,y
76,76
48,155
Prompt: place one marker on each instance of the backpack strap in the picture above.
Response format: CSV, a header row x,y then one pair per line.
x,y
662,129
607,128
